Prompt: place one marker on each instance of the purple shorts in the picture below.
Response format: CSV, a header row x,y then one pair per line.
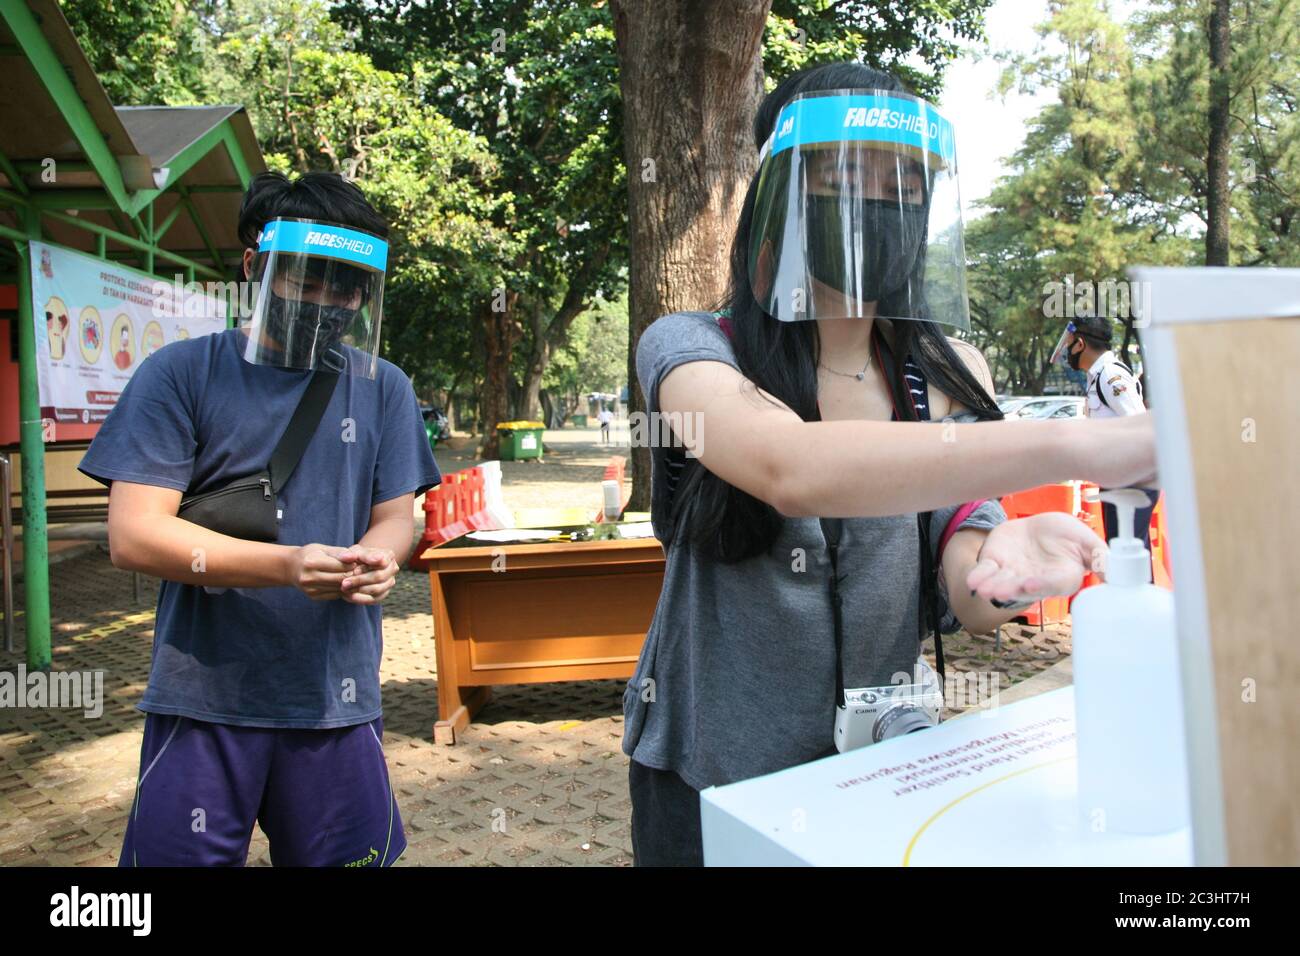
x,y
322,797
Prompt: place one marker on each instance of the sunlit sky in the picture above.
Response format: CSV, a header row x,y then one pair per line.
x,y
990,128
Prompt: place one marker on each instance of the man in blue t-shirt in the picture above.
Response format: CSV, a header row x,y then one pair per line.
x,y
263,701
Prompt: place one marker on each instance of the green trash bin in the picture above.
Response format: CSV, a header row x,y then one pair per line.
x,y
579,421
521,441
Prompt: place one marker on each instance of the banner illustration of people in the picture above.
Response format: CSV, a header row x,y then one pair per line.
x,y
122,317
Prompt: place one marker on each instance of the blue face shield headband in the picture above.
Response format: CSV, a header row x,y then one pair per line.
x,y
857,212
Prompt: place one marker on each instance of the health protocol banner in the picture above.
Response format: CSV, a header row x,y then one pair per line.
x,y
97,321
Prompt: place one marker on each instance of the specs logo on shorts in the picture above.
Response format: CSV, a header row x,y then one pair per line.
x,y
365,860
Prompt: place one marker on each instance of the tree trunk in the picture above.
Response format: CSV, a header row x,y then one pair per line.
x,y
449,404
1216,161
530,399
554,408
551,335
538,356
501,332
691,77
548,408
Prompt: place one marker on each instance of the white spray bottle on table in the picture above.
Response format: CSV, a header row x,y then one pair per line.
x,y
1127,692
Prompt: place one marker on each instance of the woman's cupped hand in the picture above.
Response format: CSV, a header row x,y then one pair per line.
x,y
1041,556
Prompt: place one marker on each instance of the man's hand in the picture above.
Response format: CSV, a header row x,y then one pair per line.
x,y
372,574
318,570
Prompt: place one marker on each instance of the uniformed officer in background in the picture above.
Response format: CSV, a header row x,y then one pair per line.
x,y
1113,390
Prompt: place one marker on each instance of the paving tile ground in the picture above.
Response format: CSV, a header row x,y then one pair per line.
x,y
538,779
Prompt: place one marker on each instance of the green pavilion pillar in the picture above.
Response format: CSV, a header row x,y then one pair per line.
x,y
36,552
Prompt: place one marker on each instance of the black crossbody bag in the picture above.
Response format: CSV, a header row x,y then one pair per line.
x,y
247,507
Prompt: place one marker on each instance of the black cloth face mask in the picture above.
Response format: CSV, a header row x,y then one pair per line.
x,y
1075,358
890,233
315,329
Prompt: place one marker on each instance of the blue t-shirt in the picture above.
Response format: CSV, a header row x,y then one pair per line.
x,y
195,416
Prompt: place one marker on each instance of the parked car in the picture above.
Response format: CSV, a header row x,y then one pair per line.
x,y
1009,403
1049,407
436,424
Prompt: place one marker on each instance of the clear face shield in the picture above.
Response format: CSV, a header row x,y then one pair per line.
x,y
320,291
1061,354
858,212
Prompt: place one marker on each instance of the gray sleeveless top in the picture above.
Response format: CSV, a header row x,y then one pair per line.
x,y
737,674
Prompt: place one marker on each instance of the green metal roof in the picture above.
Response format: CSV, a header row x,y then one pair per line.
x,y
167,177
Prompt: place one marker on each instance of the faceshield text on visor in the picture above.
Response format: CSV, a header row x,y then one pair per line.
x,y
858,212
319,299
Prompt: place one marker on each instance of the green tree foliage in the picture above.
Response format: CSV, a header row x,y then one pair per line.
x,y
1172,101
593,359
316,105
915,41
1060,216
143,51
537,82
1112,174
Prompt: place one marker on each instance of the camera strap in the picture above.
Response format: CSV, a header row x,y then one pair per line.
x,y
928,610
289,450
831,528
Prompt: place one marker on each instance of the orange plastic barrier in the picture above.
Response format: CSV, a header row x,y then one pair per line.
x,y
453,508
1090,514
1038,500
1162,566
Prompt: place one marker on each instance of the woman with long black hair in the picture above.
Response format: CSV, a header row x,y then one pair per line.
x,y
817,520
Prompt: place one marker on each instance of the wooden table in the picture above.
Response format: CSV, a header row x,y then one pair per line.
x,y
535,613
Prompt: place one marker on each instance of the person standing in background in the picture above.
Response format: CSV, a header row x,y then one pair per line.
x,y
1113,391
605,417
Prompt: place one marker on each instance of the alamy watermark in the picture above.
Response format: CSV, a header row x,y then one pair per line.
x,y
75,908
668,430
962,690
204,300
1071,298
82,690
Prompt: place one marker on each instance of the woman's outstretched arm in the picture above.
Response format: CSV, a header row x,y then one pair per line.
x,y
867,468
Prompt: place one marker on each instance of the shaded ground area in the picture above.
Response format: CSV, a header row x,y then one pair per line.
x,y
545,760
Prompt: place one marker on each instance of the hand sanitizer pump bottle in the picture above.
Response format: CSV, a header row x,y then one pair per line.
x,y
1127,693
